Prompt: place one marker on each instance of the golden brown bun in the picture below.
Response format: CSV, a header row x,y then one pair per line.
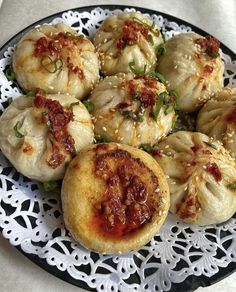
x,y
109,174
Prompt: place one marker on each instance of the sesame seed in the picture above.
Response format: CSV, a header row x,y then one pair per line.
x,y
104,129
116,131
157,190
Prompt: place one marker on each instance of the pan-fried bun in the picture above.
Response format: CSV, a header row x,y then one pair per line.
x,y
114,198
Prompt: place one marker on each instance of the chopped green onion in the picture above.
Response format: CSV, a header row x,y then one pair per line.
x,y
99,139
156,108
161,50
136,116
146,147
52,66
151,27
10,100
157,75
232,186
176,96
210,145
150,39
169,108
78,37
163,36
68,33
89,105
73,104
136,71
174,120
10,74
164,97
17,133
212,54
153,24
30,93
50,186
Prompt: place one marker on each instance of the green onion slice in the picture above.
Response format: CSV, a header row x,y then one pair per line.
x,y
169,108
52,66
161,50
151,27
156,108
150,39
50,186
212,54
136,71
135,116
232,186
100,139
89,105
163,36
10,100
10,74
157,75
210,145
78,37
73,104
17,133
30,93
174,120
146,147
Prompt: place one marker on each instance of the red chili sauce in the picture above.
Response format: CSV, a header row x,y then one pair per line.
x,y
189,207
209,43
128,203
57,118
208,69
55,46
213,169
130,34
146,93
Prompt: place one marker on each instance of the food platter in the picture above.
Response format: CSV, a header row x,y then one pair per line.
x,y
179,258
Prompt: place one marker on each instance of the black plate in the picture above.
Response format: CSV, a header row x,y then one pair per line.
x,y
191,282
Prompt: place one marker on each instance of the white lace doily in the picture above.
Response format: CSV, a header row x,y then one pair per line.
x,y
32,219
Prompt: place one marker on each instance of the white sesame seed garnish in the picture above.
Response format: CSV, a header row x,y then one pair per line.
x,y
104,129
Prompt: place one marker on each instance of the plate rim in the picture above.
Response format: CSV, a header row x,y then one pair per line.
x,y
193,282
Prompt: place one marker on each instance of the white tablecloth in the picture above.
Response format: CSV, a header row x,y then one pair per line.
x,y
218,17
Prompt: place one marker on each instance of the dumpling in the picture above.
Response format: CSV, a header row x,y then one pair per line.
x,y
202,178
193,68
217,119
40,135
115,198
56,59
132,110
127,38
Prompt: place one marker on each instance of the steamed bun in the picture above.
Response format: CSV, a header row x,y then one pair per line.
x,y
125,38
40,135
132,110
56,59
193,68
217,119
202,178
